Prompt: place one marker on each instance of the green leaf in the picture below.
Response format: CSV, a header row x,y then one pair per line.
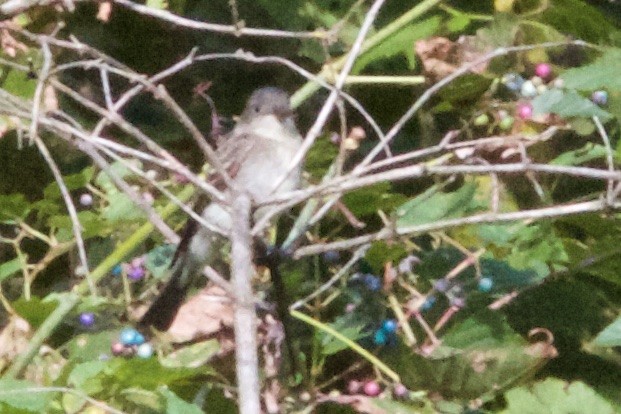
x,y
35,310
192,356
10,267
468,87
72,182
556,396
24,395
121,208
603,73
610,336
567,104
13,206
367,201
157,4
402,42
175,405
433,205
588,152
579,20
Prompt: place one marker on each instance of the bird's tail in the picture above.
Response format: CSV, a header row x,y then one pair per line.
x,y
163,310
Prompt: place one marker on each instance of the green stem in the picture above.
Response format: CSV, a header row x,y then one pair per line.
x,y
351,344
415,12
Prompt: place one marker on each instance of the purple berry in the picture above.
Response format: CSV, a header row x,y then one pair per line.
x,y
135,272
87,319
543,70
86,200
400,391
371,388
441,285
600,98
458,301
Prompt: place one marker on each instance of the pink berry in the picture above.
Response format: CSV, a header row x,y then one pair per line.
x,y
525,110
543,70
371,388
117,348
400,391
353,387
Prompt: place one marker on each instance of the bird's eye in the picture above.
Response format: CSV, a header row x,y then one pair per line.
x,y
257,109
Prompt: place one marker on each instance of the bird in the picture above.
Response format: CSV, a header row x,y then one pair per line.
x,y
256,154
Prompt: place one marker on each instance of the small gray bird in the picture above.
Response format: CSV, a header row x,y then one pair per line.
x,y
256,154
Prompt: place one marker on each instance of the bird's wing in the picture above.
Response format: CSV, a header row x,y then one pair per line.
x,y
232,152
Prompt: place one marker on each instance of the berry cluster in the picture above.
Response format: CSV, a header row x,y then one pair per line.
x,y
130,343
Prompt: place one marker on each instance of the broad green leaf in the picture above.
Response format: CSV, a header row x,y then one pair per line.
x,y
35,310
602,73
192,356
588,152
24,395
367,201
401,42
13,206
579,20
19,84
175,405
90,346
433,205
72,182
121,208
468,87
86,372
91,225
567,104
10,267
556,396
610,336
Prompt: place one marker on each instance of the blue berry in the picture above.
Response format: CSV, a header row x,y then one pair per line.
x,y
600,97
372,282
87,319
486,284
380,337
389,326
528,89
428,304
130,336
144,351
513,82
331,256
116,270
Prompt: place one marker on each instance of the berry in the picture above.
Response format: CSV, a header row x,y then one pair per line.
x,y
372,282
144,351
441,285
87,319
86,200
350,307
543,70
481,120
400,391
116,270
528,89
371,388
389,326
513,82
380,338
486,284
117,348
457,301
600,97
524,110
130,336
353,387
135,272
331,256
506,123
428,304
